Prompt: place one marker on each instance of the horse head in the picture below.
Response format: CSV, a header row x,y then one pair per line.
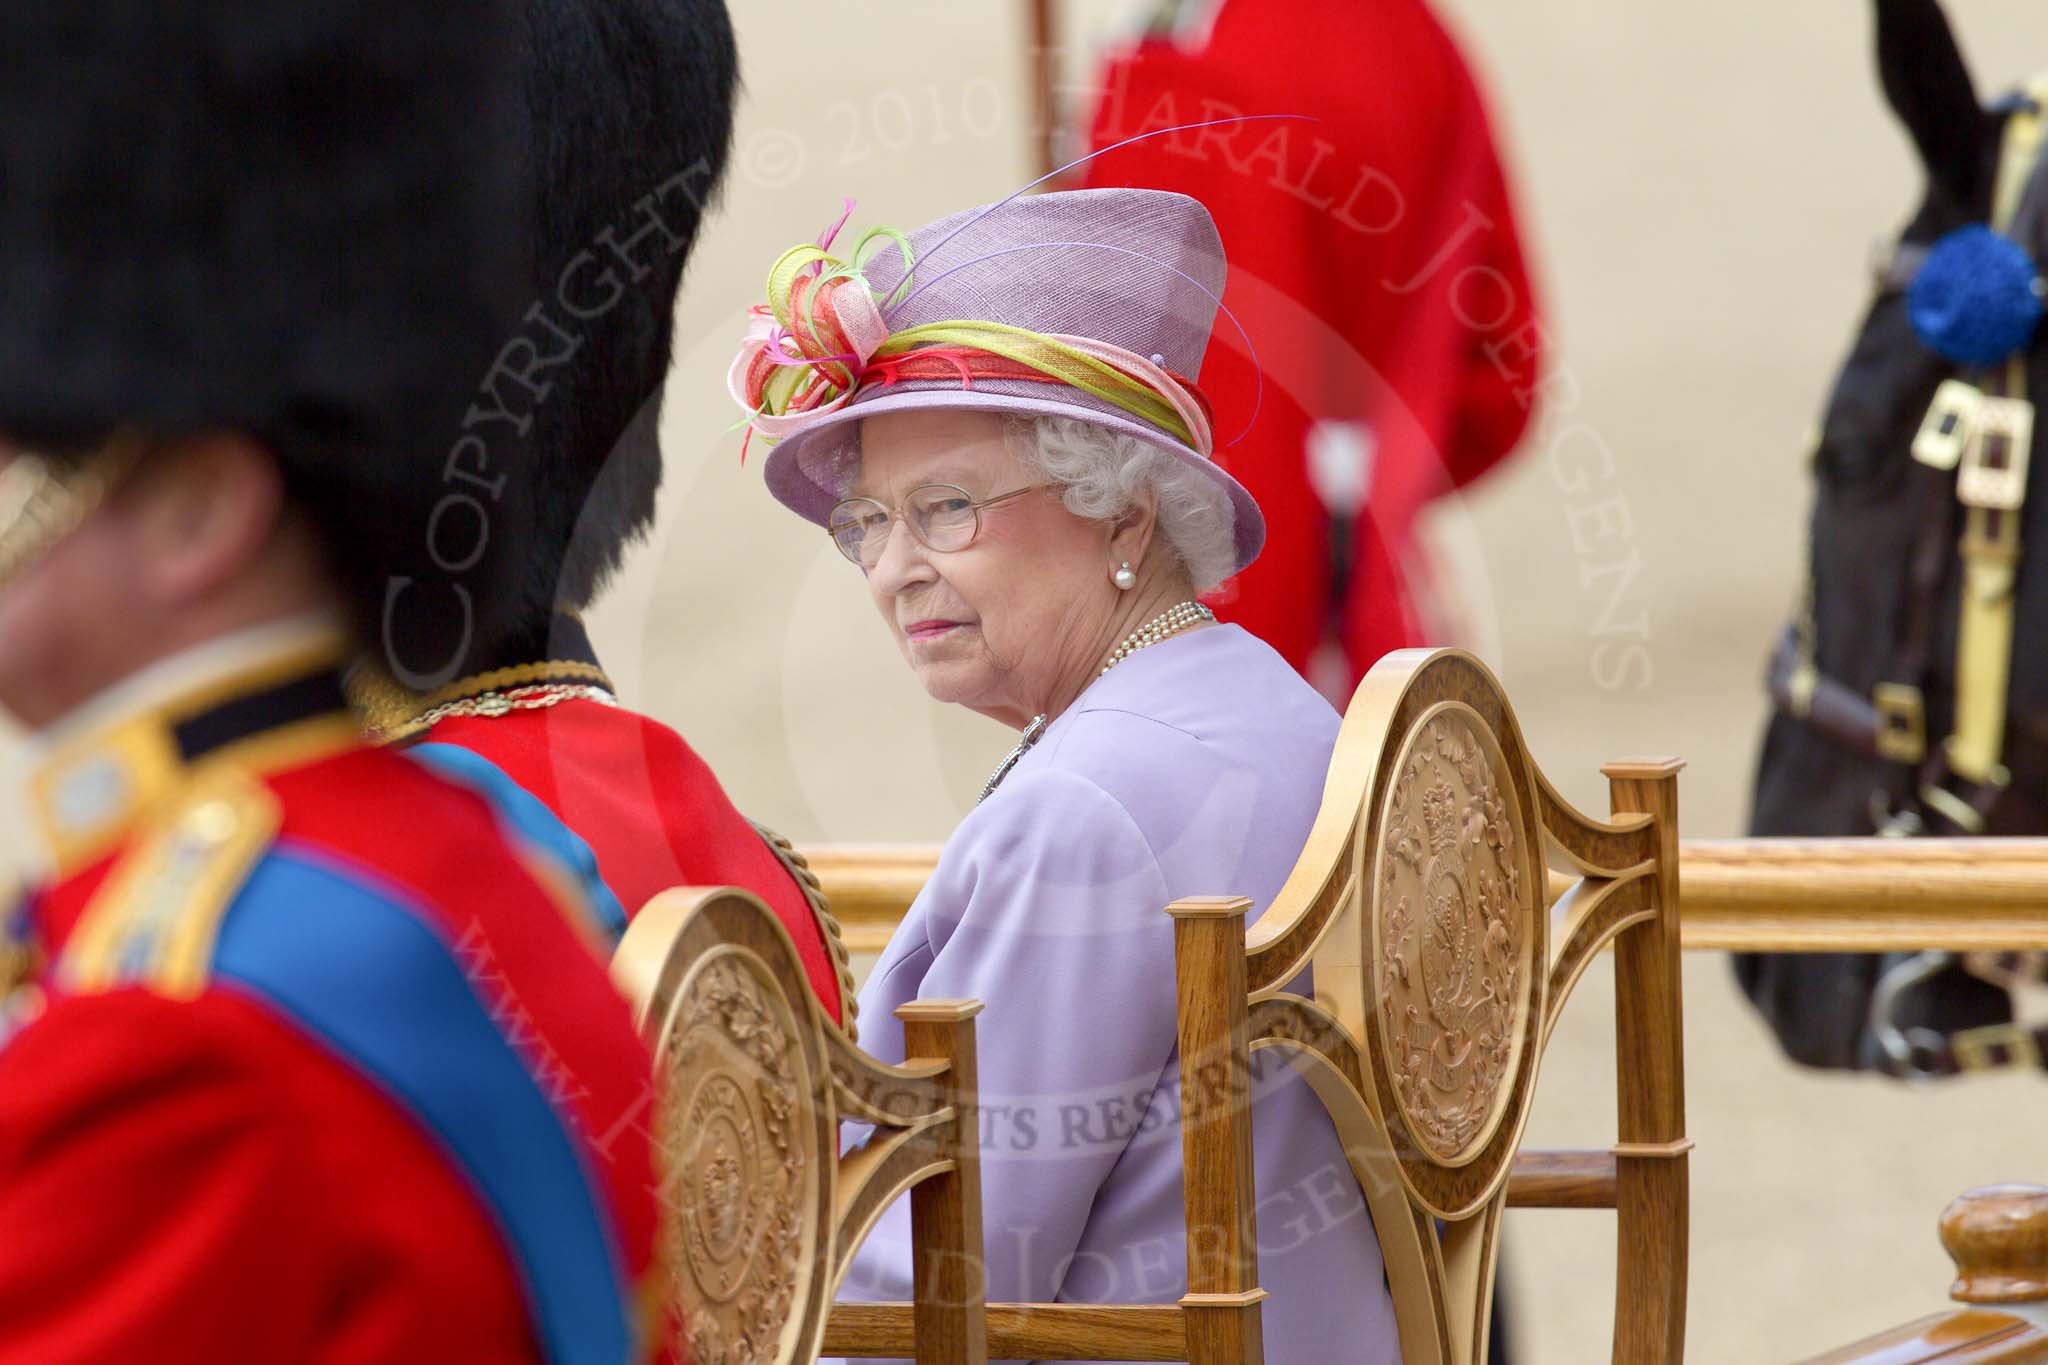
x,y
1866,733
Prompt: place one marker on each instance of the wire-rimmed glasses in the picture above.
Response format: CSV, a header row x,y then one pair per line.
x,y
942,516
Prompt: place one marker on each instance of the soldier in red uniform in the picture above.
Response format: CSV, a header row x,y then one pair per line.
x,y
1375,265
307,1057
629,117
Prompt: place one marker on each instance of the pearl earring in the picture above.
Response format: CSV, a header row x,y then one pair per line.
x,y
1124,579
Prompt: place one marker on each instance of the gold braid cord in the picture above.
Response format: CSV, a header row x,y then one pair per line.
x,y
835,941
391,711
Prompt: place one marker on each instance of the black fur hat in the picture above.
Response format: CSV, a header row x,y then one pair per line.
x,y
292,218
627,123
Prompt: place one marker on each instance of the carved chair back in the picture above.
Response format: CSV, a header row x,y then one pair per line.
x,y
761,1211
1443,948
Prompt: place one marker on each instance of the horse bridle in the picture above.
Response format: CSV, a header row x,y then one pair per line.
x,y
1969,455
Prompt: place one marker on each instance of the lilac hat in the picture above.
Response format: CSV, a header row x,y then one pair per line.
x,y
1132,277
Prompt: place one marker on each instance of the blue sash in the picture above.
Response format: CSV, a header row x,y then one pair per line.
x,y
381,988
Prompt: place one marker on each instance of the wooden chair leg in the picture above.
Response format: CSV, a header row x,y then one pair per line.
x,y
1222,1303
1651,1201
949,1279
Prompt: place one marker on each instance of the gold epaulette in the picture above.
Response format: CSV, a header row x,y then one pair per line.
x,y
154,920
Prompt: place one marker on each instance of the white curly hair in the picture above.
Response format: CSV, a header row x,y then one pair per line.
x,y
1101,473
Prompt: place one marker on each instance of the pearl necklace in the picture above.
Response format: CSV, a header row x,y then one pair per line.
x,y
1170,622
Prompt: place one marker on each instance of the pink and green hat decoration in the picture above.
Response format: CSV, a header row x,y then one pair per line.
x,y
1086,304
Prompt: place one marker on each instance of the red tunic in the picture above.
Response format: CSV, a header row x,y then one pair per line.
x,y
399,1116
650,809
1375,263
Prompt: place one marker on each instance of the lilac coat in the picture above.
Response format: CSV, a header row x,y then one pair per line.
x,y
1193,768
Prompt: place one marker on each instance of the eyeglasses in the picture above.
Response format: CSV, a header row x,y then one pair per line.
x,y
943,516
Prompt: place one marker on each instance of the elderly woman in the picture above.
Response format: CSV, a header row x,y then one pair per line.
x,y
992,419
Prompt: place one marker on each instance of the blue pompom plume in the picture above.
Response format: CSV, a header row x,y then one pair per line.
x,y
1977,299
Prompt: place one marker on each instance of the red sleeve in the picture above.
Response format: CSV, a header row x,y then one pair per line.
x,y
147,1191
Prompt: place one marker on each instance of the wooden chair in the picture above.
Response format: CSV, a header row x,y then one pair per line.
x,y
1423,903
761,1212
1998,1238
762,1216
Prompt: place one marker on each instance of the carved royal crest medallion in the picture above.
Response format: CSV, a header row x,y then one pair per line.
x,y
1453,963
741,1170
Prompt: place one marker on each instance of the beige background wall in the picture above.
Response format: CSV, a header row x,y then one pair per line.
x,y
1701,183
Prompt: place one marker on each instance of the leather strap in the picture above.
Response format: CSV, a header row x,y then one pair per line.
x,y
1975,1049
1991,553
1835,710
1991,540
1931,553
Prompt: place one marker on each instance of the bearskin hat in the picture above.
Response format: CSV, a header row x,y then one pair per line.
x,y
292,218
627,121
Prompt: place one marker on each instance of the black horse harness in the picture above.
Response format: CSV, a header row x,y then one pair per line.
x,y
1969,466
